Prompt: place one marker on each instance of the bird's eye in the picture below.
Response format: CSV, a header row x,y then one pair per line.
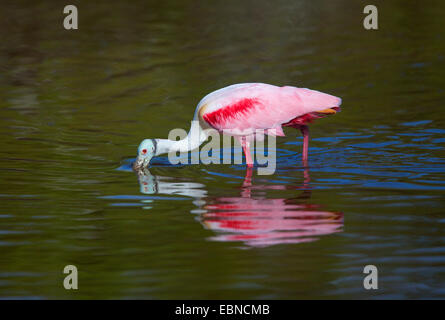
x,y
144,151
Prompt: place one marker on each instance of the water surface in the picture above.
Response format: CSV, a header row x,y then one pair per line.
x,y
74,105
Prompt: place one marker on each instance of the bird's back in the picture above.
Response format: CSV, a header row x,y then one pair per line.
x,y
260,106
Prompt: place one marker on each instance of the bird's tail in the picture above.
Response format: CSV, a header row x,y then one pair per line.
x,y
316,101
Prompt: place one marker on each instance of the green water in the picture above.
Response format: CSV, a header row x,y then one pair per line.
x,y
74,106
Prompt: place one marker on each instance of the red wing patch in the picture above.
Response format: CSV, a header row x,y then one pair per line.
x,y
219,117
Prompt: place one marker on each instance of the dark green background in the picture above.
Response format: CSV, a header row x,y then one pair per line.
x,y
74,105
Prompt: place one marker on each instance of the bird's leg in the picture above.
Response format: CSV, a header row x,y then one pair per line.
x,y
246,149
305,131
247,183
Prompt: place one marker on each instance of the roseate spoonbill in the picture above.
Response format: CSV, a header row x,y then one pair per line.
x,y
240,110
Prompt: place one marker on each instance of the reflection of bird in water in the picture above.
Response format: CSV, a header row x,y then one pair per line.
x,y
265,222
257,222
151,184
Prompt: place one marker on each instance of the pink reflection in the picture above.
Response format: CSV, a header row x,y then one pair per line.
x,y
265,222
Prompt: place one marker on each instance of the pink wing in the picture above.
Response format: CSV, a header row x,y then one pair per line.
x,y
242,108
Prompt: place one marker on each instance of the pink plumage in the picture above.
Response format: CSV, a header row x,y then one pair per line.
x,y
248,111
241,109
262,106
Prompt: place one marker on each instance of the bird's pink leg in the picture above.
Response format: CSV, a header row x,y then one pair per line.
x,y
246,149
305,131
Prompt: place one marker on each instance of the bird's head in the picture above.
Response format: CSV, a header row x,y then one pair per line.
x,y
146,151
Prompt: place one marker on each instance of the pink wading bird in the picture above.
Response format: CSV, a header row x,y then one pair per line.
x,y
240,110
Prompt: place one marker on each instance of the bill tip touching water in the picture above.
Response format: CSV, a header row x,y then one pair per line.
x,y
146,151
247,111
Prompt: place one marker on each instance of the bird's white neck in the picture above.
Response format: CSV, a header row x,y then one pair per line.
x,y
193,140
